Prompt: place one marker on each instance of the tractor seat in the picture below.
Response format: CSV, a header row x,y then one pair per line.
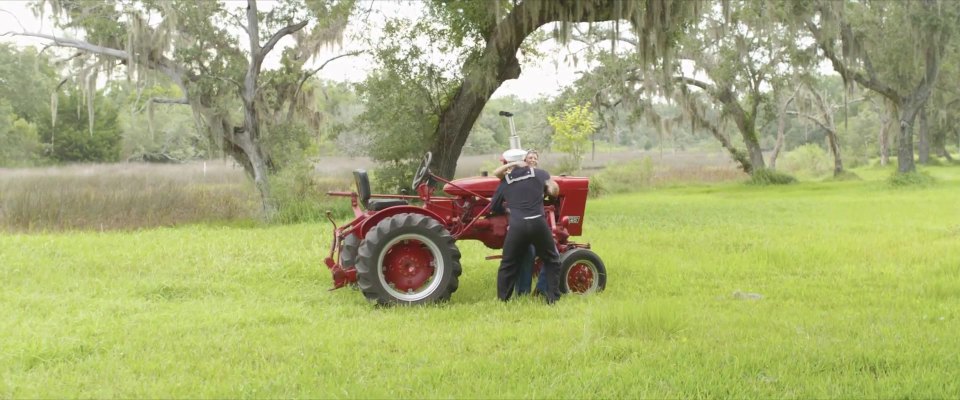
x,y
379,204
363,191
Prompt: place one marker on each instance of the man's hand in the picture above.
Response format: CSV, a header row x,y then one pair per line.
x,y
552,188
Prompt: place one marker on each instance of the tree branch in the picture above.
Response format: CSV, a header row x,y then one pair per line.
x,y
76,44
693,82
240,23
307,75
819,123
279,35
159,63
15,19
228,80
848,73
606,35
163,100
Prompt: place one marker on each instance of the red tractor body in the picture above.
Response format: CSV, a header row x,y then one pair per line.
x,y
401,253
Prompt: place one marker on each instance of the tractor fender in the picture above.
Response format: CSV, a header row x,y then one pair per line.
x,y
375,219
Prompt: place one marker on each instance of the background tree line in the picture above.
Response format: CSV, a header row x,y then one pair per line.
x,y
851,81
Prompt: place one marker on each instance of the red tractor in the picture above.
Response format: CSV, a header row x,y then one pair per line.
x,y
398,253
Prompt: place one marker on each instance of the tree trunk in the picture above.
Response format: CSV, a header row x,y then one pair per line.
x,y
746,124
257,168
754,150
939,138
908,114
923,144
883,138
834,144
781,131
458,118
701,120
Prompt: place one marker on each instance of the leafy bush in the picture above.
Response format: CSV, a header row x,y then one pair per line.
x,y
288,144
809,159
19,142
766,177
910,179
935,161
393,176
572,128
301,196
75,137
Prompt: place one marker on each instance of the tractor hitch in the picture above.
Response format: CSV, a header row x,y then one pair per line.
x,y
341,277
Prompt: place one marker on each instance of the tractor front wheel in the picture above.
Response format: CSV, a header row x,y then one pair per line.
x,y
582,272
408,259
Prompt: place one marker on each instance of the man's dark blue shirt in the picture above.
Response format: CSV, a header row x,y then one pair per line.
x,y
523,190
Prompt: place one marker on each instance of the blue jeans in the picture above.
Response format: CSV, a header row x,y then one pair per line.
x,y
525,278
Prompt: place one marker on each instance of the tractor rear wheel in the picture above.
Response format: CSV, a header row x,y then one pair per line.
x,y
348,251
348,255
408,259
582,272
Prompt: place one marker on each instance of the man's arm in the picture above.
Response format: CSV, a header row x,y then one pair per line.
x,y
552,188
502,170
496,202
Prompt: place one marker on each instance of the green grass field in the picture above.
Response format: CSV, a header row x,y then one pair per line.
x,y
860,286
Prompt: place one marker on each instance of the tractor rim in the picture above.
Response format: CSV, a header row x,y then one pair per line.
x,y
582,277
410,267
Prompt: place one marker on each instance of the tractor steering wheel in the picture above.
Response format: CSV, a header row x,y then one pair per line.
x,y
423,170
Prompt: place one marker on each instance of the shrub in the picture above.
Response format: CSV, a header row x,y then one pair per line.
x,y
766,177
75,137
301,196
393,176
598,186
572,129
19,142
935,161
910,179
809,159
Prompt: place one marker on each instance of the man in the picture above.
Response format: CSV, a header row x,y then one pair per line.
x,y
526,262
524,191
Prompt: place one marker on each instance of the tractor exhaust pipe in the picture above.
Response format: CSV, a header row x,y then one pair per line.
x,y
514,139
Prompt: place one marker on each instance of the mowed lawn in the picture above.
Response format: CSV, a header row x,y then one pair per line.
x,y
814,290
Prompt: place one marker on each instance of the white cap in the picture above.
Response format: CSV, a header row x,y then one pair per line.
x,y
514,155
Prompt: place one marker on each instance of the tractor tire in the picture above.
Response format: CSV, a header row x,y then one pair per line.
x,y
582,272
408,259
348,251
348,255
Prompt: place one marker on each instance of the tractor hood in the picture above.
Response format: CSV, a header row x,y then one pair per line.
x,y
486,185
481,185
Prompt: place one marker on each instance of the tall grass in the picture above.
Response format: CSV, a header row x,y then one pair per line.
x,y
134,196
123,196
859,298
645,173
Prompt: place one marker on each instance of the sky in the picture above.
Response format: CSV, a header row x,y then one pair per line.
x,y
545,77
